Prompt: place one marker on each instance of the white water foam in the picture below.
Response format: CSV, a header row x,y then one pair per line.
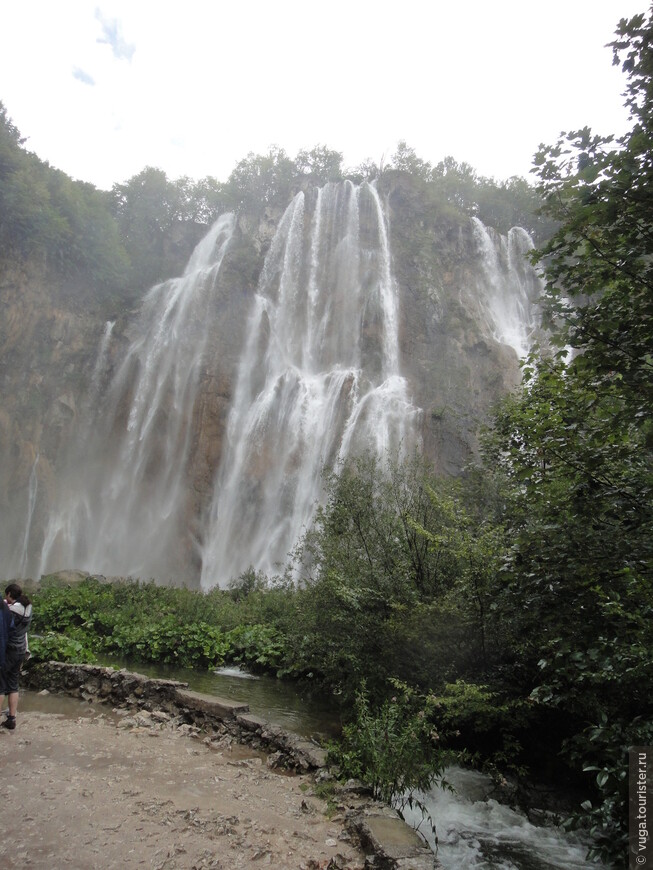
x,y
476,832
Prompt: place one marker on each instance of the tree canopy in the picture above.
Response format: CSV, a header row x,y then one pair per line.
x,y
119,243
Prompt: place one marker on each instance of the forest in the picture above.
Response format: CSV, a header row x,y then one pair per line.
x,y
504,617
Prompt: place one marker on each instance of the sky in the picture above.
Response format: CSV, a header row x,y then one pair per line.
x,y
103,88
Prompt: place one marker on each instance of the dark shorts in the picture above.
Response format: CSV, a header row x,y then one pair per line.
x,y
9,674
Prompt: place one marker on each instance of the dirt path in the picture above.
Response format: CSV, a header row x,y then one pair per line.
x,y
93,791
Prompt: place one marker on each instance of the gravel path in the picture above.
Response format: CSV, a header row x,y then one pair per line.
x,y
94,791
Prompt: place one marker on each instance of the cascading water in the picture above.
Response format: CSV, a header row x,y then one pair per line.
x,y
508,289
100,364
315,380
318,378
32,491
476,832
123,495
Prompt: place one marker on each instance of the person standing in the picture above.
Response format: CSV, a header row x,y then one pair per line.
x,y
6,625
20,609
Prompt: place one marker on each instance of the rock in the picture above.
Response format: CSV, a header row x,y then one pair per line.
x,y
275,760
391,841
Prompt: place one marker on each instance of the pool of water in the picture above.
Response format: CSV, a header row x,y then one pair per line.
x,y
283,703
61,705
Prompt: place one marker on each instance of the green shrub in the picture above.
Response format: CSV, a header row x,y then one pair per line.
x,y
393,749
58,647
260,647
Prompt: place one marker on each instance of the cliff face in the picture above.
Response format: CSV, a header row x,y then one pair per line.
x,y
456,367
47,346
54,385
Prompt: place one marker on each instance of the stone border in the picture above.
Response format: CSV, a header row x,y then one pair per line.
x,y
389,842
208,713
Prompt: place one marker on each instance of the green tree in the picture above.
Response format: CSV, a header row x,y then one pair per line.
x,y
321,163
146,206
262,180
576,447
396,582
405,159
66,225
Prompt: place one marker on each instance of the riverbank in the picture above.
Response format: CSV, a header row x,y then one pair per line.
x,y
159,778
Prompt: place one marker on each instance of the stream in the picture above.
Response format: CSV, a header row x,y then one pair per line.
x,y
283,703
476,831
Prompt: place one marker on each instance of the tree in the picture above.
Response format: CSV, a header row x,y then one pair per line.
x,y
395,585
65,224
405,159
321,163
575,448
262,180
146,207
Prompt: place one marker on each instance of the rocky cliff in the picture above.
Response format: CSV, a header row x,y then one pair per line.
x,y
53,385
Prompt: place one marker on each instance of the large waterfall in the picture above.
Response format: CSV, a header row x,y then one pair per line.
x,y
123,495
318,378
207,423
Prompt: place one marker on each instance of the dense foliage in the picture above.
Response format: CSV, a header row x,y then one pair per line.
x,y
576,449
148,623
46,215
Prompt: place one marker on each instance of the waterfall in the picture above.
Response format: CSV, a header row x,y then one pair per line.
x,y
318,378
32,491
123,494
100,362
315,379
507,289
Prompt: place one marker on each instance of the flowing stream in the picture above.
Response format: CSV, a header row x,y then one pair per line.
x,y
476,832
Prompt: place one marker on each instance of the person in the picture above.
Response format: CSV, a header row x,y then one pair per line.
x,y
20,609
6,625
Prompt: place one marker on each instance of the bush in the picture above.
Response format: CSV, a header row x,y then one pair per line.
x,y
58,647
395,749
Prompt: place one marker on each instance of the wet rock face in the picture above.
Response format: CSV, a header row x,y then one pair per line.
x,y
50,338
456,370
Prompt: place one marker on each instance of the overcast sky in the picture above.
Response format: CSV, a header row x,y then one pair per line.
x,y
103,88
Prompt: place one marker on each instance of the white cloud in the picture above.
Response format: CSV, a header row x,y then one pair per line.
x,y
208,82
82,76
112,35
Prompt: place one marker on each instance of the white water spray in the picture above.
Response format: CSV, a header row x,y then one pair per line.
x,y
124,492
506,295
318,379
476,832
